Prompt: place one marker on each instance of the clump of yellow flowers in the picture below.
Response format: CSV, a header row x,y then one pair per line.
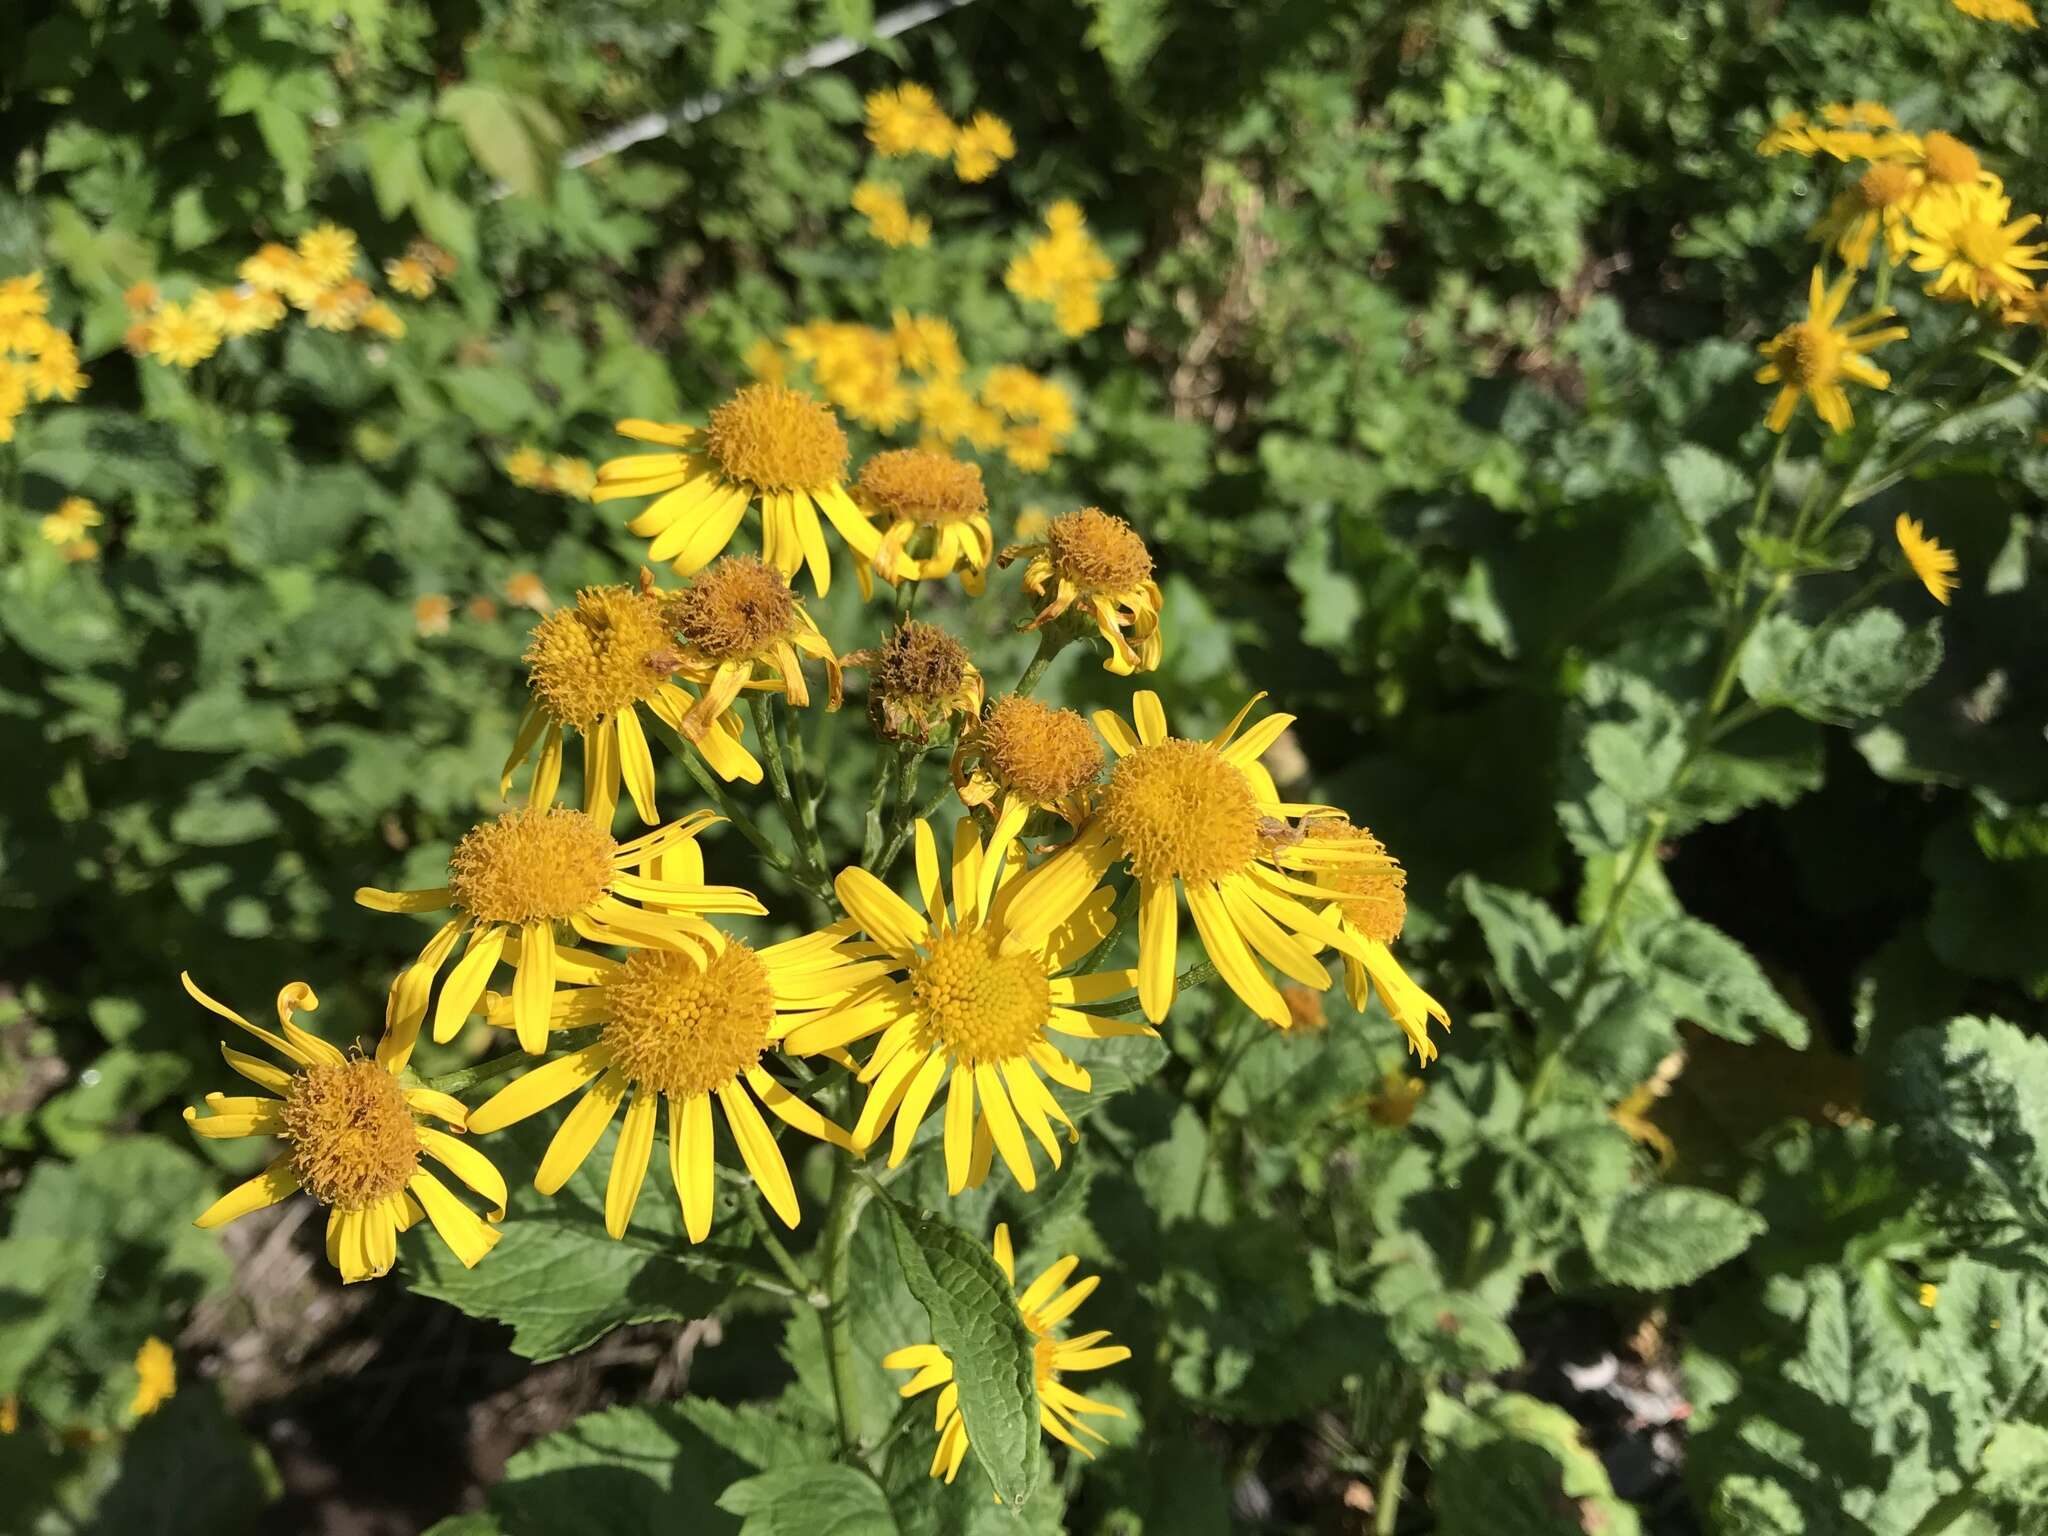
x,y
38,361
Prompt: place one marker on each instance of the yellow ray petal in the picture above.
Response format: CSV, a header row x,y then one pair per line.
x,y
629,1160
579,1131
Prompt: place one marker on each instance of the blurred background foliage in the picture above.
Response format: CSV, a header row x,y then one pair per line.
x,y
1426,374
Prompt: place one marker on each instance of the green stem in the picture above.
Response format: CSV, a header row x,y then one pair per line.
x,y
1387,1507
808,871
1194,976
842,1218
871,837
1738,592
462,1079
777,1250
734,812
1050,641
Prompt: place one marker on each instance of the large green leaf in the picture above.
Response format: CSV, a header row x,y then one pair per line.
x,y
1658,1238
1844,674
975,1320
620,1472
1505,1462
1703,976
823,1499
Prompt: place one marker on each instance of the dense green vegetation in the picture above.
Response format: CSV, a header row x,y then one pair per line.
x,y
1426,373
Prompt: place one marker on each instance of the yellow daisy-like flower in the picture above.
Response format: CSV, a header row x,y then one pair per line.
x,y
410,275
573,478
767,443
922,497
526,465
524,589
1025,756
2013,13
354,1139
1370,901
688,1026
1878,202
181,336
980,146
1934,565
889,217
1977,253
55,375
156,1377
738,620
1203,816
23,295
1811,359
240,311
431,613
1098,560
74,517
383,320
1861,130
328,254
514,882
967,1005
908,121
590,669
928,345
919,677
336,309
277,269
1044,1305
1951,165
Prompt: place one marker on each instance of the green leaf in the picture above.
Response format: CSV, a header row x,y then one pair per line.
x,y
46,1288
1658,1238
620,1470
2013,1468
975,1320
820,1500
512,136
213,819
1842,675
1504,1463
1534,954
1703,976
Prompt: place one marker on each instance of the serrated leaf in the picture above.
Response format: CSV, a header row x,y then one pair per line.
x,y
823,1499
1703,976
1667,1236
1533,951
975,1321
620,1470
1842,675
1504,1462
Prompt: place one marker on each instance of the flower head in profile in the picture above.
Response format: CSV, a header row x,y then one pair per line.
x,y
1976,252
1877,203
767,444
590,669
1932,564
1950,165
156,1377
1369,901
355,1137
1097,560
932,510
1025,756
968,1005
687,1026
907,120
1857,130
742,627
919,677
514,883
2013,13
1811,359
1203,819
1044,1304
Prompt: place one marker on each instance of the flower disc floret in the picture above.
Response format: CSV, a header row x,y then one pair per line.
x,y
1097,551
1373,891
535,865
922,485
736,610
1180,808
1949,160
354,1140
609,652
1886,185
919,665
981,1005
1043,753
684,1027
774,438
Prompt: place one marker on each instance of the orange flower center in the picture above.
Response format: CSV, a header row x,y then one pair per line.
x,y
354,1140
684,1027
981,1005
1182,808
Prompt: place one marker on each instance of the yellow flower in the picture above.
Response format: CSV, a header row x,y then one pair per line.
x,y
907,121
763,360
275,268
73,517
933,501
335,309
919,678
1811,358
967,1004
767,443
738,620
328,254
1044,1305
411,276
354,1139
2014,13
889,219
685,1025
181,336
431,613
1934,565
526,465
1964,239
514,882
983,144
1951,165
156,1377
80,550
1369,901
1064,268
573,478
1097,560
140,298
383,320
1930,1294
1395,1103
240,311
1862,130
23,295
13,396
590,668
523,589
1206,817
928,345
1025,756
1877,202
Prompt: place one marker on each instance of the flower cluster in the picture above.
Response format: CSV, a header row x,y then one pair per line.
x,y
69,528
889,217
907,120
1063,268
38,360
